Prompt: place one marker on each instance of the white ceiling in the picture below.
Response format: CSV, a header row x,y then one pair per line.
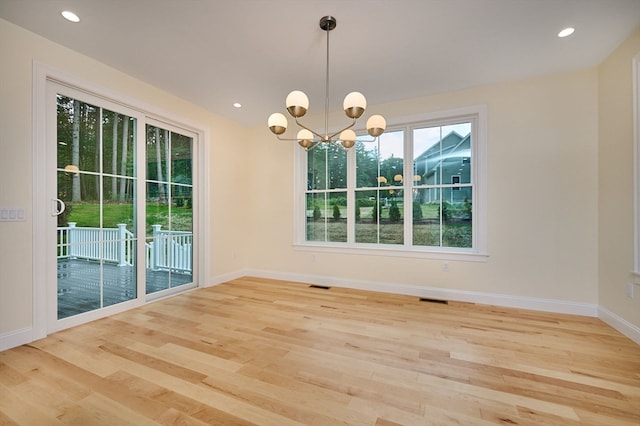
x,y
214,52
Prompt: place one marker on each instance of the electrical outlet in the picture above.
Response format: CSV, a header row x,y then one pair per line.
x,y
445,266
630,290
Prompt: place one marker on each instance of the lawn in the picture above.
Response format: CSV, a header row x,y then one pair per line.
x,y
425,233
88,215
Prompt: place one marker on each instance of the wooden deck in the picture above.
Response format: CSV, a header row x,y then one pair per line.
x,y
264,352
79,287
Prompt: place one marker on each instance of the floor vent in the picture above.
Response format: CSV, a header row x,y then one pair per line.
x,y
321,287
442,302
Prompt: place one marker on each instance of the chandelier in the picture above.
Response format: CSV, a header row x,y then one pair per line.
x,y
297,104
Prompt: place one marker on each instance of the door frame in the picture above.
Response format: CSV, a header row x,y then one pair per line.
x,y
43,222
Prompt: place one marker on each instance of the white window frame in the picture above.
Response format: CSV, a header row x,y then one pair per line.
x,y
636,168
478,252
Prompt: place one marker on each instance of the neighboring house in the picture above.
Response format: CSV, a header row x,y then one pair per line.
x,y
445,166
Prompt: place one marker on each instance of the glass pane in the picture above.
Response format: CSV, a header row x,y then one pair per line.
x,y
456,151
337,160
157,155
158,246
181,255
78,143
456,217
391,159
119,211
426,217
181,158
156,278
84,211
118,134
426,151
337,224
317,168
391,216
78,251
366,164
367,213
316,217
181,210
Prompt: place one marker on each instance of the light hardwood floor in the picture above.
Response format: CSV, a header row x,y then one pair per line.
x,y
264,352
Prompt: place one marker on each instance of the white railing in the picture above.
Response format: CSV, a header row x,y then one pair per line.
x,y
167,250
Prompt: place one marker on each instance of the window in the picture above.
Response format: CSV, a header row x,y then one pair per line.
x,y
418,189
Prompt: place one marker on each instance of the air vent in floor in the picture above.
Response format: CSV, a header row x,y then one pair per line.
x,y
442,302
321,287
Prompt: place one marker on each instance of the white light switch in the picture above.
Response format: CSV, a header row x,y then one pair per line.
x,y
12,214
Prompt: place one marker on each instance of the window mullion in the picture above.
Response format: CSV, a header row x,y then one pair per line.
x,y
407,184
351,196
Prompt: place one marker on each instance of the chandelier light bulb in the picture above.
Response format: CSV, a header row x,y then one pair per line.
x,y
376,124
277,123
297,103
304,135
348,138
354,104
305,138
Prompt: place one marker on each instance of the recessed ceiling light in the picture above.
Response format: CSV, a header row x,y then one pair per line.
x,y
566,32
70,16
237,105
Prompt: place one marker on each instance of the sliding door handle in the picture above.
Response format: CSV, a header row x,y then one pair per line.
x,y
57,207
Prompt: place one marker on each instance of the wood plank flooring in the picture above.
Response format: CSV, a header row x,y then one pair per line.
x,y
263,352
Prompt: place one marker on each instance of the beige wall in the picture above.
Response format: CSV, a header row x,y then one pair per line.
x,y
615,170
542,197
19,49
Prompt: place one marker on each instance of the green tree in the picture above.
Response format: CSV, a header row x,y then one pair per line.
x,y
375,213
445,212
394,212
417,210
366,165
336,212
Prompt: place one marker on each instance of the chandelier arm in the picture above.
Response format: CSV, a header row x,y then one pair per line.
x,y
373,139
322,138
289,139
342,130
313,146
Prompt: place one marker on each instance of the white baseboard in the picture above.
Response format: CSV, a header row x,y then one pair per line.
x,y
620,324
16,338
229,276
547,305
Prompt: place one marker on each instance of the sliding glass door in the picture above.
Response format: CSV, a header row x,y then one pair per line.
x,y
122,200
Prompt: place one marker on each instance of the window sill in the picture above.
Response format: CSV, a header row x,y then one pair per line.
x,y
450,254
